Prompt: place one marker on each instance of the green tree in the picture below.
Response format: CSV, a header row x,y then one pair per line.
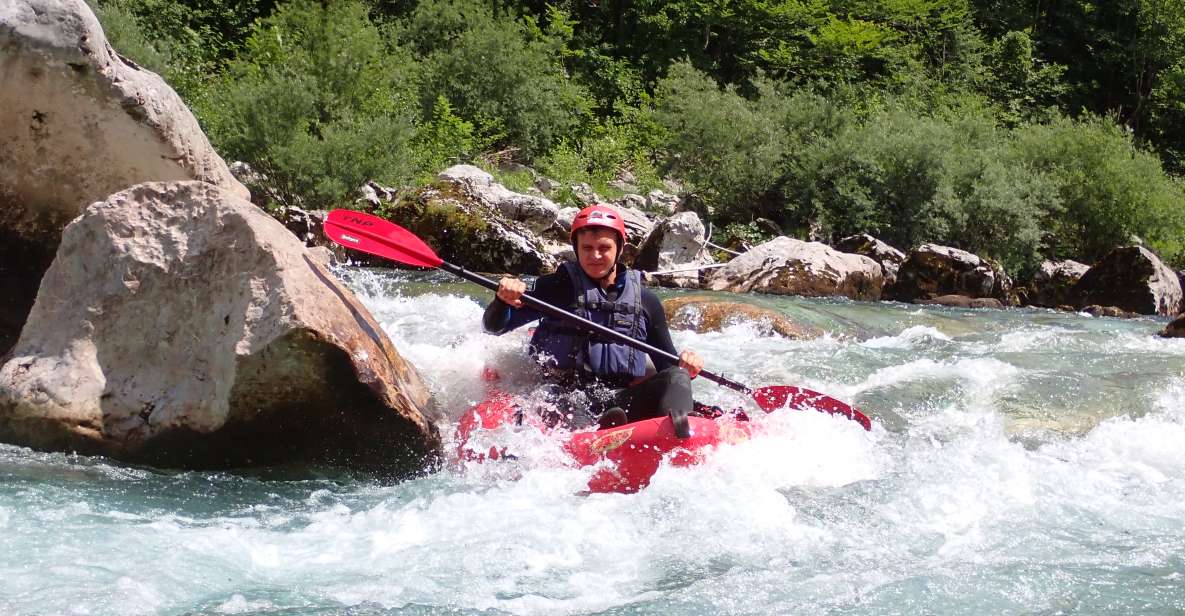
x,y
1112,192
315,102
184,42
503,74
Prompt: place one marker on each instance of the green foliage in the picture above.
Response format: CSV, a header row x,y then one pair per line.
x,y
599,157
175,53
741,236
313,103
502,74
736,153
909,180
446,139
1112,192
1026,89
184,42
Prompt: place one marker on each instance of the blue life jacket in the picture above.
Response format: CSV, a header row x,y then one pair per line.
x,y
566,347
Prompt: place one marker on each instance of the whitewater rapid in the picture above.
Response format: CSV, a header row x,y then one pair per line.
x,y
1021,462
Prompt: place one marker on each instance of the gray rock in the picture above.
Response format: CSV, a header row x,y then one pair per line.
x,y
1133,279
889,258
676,243
632,201
585,195
933,271
182,326
1053,284
962,301
565,217
547,186
537,213
637,224
787,266
711,314
1176,328
77,123
660,201
469,231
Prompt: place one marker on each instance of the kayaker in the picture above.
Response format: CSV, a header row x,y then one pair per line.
x,y
622,384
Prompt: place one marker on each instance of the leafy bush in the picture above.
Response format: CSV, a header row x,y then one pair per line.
x,y
728,149
315,103
737,154
445,139
1112,193
599,157
174,52
504,75
910,180
183,42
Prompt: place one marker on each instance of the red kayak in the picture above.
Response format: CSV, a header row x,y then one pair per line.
x,y
634,450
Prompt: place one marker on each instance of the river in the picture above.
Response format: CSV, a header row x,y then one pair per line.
x,y
1021,461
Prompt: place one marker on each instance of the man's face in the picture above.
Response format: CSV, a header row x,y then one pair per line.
x,y
596,250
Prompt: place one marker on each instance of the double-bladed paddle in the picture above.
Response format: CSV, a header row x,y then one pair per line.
x,y
373,235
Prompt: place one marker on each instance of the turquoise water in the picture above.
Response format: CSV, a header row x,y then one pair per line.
x,y
1022,462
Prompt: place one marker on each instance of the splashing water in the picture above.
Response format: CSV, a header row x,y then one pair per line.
x,y
1022,461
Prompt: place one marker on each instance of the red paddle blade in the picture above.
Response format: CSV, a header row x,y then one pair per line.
x,y
774,397
371,234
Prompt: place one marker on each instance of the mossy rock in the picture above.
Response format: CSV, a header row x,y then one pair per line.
x,y
467,232
703,313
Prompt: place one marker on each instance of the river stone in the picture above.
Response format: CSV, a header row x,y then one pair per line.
x,y
470,232
1053,285
637,224
77,123
933,271
662,202
182,326
889,258
1109,311
701,313
676,243
1176,328
1133,279
962,301
1181,281
787,266
537,213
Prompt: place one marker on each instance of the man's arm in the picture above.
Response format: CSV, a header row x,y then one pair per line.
x,y
500,317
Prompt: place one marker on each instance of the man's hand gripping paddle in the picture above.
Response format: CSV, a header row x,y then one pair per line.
x,y
373,235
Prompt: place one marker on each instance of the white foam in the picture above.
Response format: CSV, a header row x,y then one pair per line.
x,y
909,338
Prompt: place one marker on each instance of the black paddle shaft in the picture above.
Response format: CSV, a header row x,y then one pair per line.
x,y
605,332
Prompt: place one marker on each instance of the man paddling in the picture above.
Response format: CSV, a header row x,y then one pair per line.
x,y
599,288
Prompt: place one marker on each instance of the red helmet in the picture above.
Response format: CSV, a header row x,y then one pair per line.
x,y
599,216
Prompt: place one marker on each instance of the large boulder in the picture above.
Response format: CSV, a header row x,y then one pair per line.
x,y
1053,285
1181,281
1133,279
676,243
786,266
77,123
470,232
933,271
702,313
889,258
662,202
637,224
537,213
1176,328
181,326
